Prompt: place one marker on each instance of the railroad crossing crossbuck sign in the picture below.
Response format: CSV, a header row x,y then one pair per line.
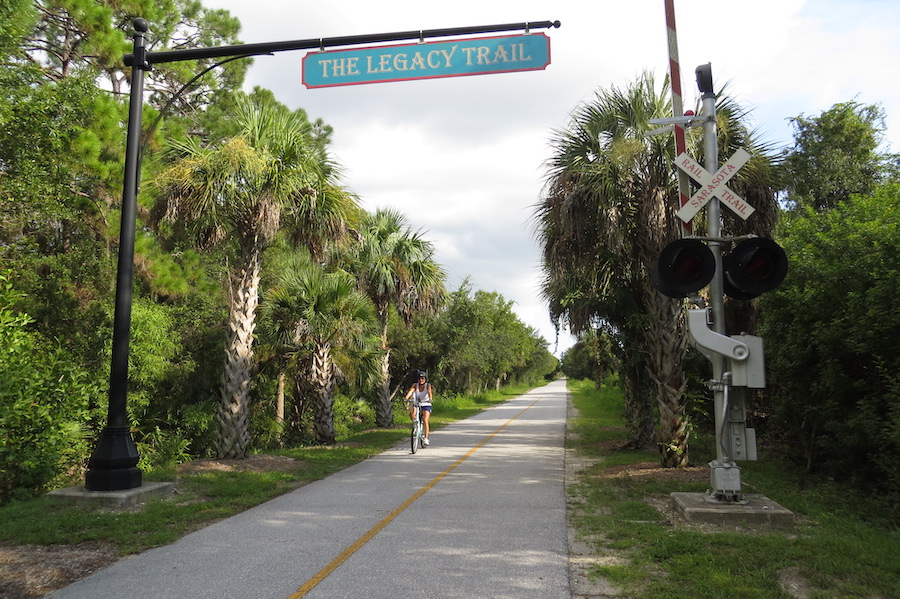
x,y
713,185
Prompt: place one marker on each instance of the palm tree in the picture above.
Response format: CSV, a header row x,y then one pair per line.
x,y
608,211
603,215
315,314
239,193
395,267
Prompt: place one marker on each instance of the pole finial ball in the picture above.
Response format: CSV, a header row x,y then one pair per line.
x,y
141,25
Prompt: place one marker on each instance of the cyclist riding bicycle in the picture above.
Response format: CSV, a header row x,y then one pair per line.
x,y
422,394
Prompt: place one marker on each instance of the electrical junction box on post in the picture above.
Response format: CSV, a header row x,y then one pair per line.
x,y
725,480
750,372
742,441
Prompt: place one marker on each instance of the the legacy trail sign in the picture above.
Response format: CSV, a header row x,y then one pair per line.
x,y
427,60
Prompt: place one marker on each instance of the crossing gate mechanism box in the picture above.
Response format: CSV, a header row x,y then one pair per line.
x,y
750,373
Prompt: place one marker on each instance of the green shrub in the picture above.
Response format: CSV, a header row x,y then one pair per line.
x,y
162,448
352,415
832,331
45,407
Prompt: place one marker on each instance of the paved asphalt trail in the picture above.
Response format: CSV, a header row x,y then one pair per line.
x,y
480,513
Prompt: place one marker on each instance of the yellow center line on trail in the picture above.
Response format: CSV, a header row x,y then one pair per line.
x,y
336,562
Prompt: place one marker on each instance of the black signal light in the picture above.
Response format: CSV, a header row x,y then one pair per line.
x,y
684,267
753,267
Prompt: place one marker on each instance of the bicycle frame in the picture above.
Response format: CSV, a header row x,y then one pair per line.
x,y
418,430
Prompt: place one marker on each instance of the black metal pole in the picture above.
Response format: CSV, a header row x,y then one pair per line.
x,y
113,465
331,42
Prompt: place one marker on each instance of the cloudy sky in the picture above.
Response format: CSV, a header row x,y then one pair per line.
x,y
464,157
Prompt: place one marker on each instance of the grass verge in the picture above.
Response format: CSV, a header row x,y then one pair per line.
x,y
205,496
841,546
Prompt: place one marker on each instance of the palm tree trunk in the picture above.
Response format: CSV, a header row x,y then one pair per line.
x,y
384,414
665,331
323,395
666,342
232,418
279,399
279,406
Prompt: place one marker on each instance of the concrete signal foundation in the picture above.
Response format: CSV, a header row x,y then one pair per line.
x,y
754,511
125,499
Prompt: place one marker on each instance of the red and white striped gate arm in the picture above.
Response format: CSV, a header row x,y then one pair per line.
x,y
677,106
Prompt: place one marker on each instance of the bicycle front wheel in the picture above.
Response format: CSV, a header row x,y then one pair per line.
x,y
414,436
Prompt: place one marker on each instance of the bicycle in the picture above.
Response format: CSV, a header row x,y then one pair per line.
x,y
417,434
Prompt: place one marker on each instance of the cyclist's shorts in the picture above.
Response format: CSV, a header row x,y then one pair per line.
x,y
426,408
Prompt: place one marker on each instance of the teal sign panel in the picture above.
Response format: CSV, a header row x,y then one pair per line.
x,y
427,60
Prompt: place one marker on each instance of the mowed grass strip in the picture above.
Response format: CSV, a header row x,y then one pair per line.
x,y
843,544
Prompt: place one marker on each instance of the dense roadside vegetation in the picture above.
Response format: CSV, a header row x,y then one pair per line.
x,y
843,544
270,310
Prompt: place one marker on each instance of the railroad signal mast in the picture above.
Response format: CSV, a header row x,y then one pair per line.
x,y
753,266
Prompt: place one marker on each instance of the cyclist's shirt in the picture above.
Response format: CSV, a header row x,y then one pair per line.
x,y
421,395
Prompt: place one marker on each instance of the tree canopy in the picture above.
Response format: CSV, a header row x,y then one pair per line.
x,y
835,155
